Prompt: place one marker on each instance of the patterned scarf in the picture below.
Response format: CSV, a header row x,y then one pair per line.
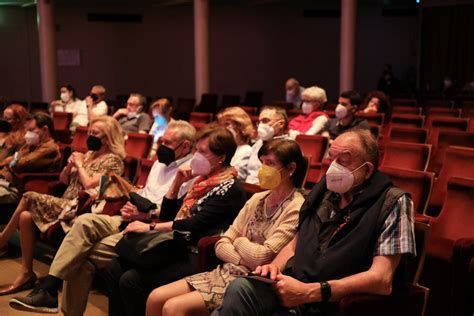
x,y
201,186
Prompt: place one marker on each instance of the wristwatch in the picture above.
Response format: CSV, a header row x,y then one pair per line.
x,y
152,226
325,291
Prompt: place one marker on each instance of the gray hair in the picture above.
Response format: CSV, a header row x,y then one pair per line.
x,y
141,100
100,88
185,131
315,93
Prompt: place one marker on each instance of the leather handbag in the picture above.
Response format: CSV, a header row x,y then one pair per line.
x,y
153,249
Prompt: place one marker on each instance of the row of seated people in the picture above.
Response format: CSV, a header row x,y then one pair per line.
x,y
354,207
247,163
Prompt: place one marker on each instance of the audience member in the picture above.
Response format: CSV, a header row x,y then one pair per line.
x,y
70,103
375,102
41,211
209,208
132,118
263,227
353,230
93,105
313,119
38,153
293,92
238,122
90,243
388,83
345,119
272,124
161,111
13,130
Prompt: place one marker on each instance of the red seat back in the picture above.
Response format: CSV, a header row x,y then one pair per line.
x,y
418,183
79,141
408,134
200,117
407,120
406,110
138,145
458,162
437,123
313,145
144,167
456,219
372,118
62,120
406,155
445,139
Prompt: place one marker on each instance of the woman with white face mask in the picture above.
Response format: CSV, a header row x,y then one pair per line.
x,y
238,122
68,102
161,111
263,227
209,207
312,120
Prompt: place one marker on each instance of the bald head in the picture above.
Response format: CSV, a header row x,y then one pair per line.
x,y
360,144
292,84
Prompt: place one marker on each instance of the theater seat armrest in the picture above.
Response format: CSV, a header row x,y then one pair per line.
x,y
207,259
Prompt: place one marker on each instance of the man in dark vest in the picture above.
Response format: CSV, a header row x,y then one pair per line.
x,y
353,230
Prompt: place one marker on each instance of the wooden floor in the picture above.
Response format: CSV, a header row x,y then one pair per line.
x,y
9,269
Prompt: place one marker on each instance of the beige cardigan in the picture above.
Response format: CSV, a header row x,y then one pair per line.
x,y
234,247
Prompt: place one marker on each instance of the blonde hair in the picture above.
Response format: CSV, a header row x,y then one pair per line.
x,y
240,118
114,133
316,94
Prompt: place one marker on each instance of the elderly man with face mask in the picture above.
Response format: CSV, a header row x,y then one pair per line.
x,y
293,92
131,118
347,106
353,230
39,153
272,124
90,243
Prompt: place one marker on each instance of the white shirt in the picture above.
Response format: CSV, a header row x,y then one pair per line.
x,y
160,179
240,160
254,163
82,118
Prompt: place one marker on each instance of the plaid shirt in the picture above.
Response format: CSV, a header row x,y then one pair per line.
x,y
398,232
398,235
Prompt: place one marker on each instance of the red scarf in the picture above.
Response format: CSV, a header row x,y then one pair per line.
x,y
201,186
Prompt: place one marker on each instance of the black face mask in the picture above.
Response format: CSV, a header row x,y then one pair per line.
x,y
94,143
165,155
94,97
5,126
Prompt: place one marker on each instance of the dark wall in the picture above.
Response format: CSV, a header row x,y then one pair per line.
x,y
251,47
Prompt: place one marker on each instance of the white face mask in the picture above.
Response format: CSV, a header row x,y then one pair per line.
x,y
265,132
339,179
200,166
65,97
341,111
31,138
307,107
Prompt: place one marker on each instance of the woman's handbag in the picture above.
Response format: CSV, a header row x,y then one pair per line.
x,y
114,192
153,249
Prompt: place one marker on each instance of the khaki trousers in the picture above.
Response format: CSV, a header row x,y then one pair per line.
x,y
88,246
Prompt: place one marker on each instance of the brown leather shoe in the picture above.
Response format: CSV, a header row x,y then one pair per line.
x,y
27,285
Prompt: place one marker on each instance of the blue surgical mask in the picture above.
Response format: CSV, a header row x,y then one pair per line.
x,y
160,120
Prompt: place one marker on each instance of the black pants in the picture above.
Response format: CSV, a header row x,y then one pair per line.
x,y
129,287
